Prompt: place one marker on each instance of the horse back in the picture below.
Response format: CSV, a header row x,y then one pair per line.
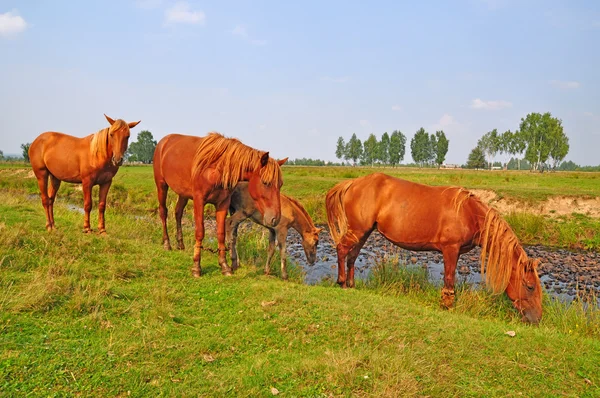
x,y
409,214
173,162
61,154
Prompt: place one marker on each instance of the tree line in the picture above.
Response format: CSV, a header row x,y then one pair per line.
x,y
540,137
390,149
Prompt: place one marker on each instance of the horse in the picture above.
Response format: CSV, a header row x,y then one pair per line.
x,y
89,161
450,220
293,215
207,170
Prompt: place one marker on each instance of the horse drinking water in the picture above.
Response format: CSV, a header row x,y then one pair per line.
x,y
92,160
207,170
293,215
450,220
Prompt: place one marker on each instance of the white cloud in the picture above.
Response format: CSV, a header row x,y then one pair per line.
x,y
445,121
11,23
490,105
565,85
181,12
364,123
396,107
241,32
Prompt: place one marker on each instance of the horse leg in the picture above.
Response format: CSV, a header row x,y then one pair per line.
x,y
270,250
162,189
42,177
52,190
281,242
351,258
199,234
221,215
181,203
87,205
102,206
450,254
233,223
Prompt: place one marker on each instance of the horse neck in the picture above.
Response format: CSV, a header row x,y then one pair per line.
x,y
301,222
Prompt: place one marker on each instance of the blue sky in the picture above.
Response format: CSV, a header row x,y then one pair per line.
x,y
292,77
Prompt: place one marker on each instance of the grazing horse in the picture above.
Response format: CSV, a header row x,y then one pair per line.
x,y
92,160
293,215
450,220
207,170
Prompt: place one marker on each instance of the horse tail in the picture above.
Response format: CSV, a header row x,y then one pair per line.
x,y
336,213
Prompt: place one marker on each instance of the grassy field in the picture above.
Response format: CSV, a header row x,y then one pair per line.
x,y
117,315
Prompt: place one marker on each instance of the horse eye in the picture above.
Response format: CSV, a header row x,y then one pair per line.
x,y
530,288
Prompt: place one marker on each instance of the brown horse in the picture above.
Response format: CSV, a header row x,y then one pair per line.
x,y
207,169
92,160
293,215
450,220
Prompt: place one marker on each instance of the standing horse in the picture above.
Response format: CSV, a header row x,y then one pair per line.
x,y
450,220
293,215
207,169
92,160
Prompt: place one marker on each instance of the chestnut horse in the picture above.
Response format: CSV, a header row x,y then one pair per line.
x,y
293,215
450,220
92,160
207,169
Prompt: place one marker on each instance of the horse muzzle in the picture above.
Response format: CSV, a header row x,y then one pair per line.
x,y
116,162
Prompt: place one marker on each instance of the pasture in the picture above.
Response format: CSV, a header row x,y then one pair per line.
x,y
116,315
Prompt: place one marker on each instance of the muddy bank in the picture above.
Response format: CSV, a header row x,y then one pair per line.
x,y
563,273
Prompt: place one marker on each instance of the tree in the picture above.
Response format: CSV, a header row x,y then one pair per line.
x,y
489,145
25,148
559,148
143,149
370,150
340,150
569,165
476,159
383,154
420,147
397,147
541,134
441,148
1,155
354,149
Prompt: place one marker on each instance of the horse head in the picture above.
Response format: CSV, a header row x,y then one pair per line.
x,y
525,290
310,240
266,195
118,138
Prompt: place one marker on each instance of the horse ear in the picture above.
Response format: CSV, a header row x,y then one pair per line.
x,y
110,120
264,159
133,124
282,161
318,230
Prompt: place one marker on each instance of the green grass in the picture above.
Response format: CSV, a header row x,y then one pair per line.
x,y
117,315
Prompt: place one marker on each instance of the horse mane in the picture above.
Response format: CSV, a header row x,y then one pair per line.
x,y
499,244
99,143
336,214
298,206
233,158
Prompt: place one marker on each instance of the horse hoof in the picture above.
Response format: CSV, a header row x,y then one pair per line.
x,y
87,230
180,247
196,273
226,271
284,277
102,232
167,246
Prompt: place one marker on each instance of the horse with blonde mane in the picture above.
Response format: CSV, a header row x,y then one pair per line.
x,y
207,170
92,160
293,215
450,220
